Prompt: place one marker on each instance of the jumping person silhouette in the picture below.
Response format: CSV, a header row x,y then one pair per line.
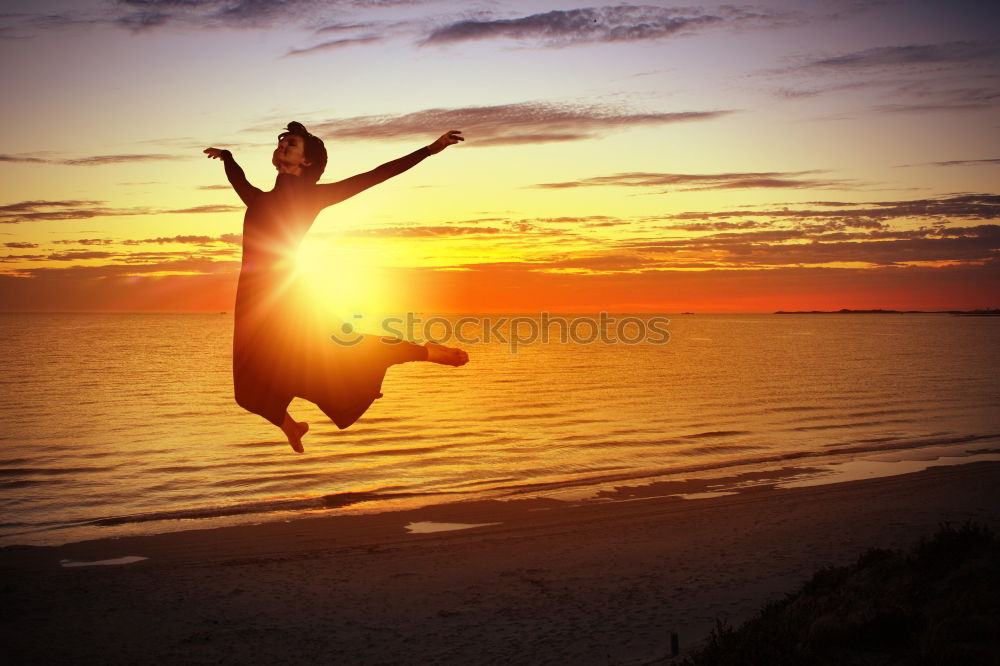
x,y
280,351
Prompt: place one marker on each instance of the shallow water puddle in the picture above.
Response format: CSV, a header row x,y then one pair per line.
x,y
871,467
128,559
706,495
425,527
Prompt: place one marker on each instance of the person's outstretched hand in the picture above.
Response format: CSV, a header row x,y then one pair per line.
x,y
213,153
449,138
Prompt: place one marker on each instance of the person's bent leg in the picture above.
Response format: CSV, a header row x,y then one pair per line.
x,y
395,350
294,432
445,355
390,351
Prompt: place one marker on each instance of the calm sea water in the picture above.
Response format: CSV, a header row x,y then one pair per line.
x,y
124,423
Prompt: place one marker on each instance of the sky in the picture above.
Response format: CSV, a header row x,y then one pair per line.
x,y
653,157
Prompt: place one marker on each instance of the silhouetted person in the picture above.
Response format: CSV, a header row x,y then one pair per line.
x,y
281,350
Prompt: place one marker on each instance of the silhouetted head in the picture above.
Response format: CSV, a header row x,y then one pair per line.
x,y
298,148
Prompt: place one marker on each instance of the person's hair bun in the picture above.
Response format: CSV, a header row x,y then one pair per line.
x,y
315,151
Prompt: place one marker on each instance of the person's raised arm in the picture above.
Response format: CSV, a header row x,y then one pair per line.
x,y
234,172
331,193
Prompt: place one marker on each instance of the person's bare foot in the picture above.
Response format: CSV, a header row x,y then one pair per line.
x,y
294,432
445,355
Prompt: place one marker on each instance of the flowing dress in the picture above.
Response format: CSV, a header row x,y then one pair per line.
x,y
282,348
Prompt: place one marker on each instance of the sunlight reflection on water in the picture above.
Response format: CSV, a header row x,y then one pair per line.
x,y
131,415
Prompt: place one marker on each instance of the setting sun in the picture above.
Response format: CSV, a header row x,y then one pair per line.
x,y
344,281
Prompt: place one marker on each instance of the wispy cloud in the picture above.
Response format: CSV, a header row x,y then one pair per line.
x,y
15,258
147,256
770,249
233,239
436,231
717,181
947,76
813,88
77,255
334,44
972,244
968,206
28,211
21,245
84,241
345,27
993,161
602,263
926,94
526,122
99,160
716,226
24,211
24,158
945,53
841,9
95,160
493,228
621,23
174,266
208,208
560,27
961,99
146,15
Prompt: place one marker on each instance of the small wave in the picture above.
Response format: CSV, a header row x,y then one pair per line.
x,y
464,433
527,416
626,443
25,483
874,440
591,480
826,426
50,471
581,421
912,444
268,506
796,408
177,469
883,412
835,426
183,414
374,441
413,450
715,449
255,445
281,477
484,482
717,433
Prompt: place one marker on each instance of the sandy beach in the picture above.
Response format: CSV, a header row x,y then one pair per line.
x,y
599,582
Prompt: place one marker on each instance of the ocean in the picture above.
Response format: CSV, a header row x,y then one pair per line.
x,y
118,424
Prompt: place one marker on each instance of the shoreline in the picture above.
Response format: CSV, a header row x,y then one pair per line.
x,y
689,482
589,582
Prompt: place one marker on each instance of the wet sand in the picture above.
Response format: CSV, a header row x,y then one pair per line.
x,y
602,582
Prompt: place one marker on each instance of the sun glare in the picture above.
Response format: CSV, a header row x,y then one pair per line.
x,y
344,282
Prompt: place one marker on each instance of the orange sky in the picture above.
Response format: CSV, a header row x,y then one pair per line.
x,y
788,155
